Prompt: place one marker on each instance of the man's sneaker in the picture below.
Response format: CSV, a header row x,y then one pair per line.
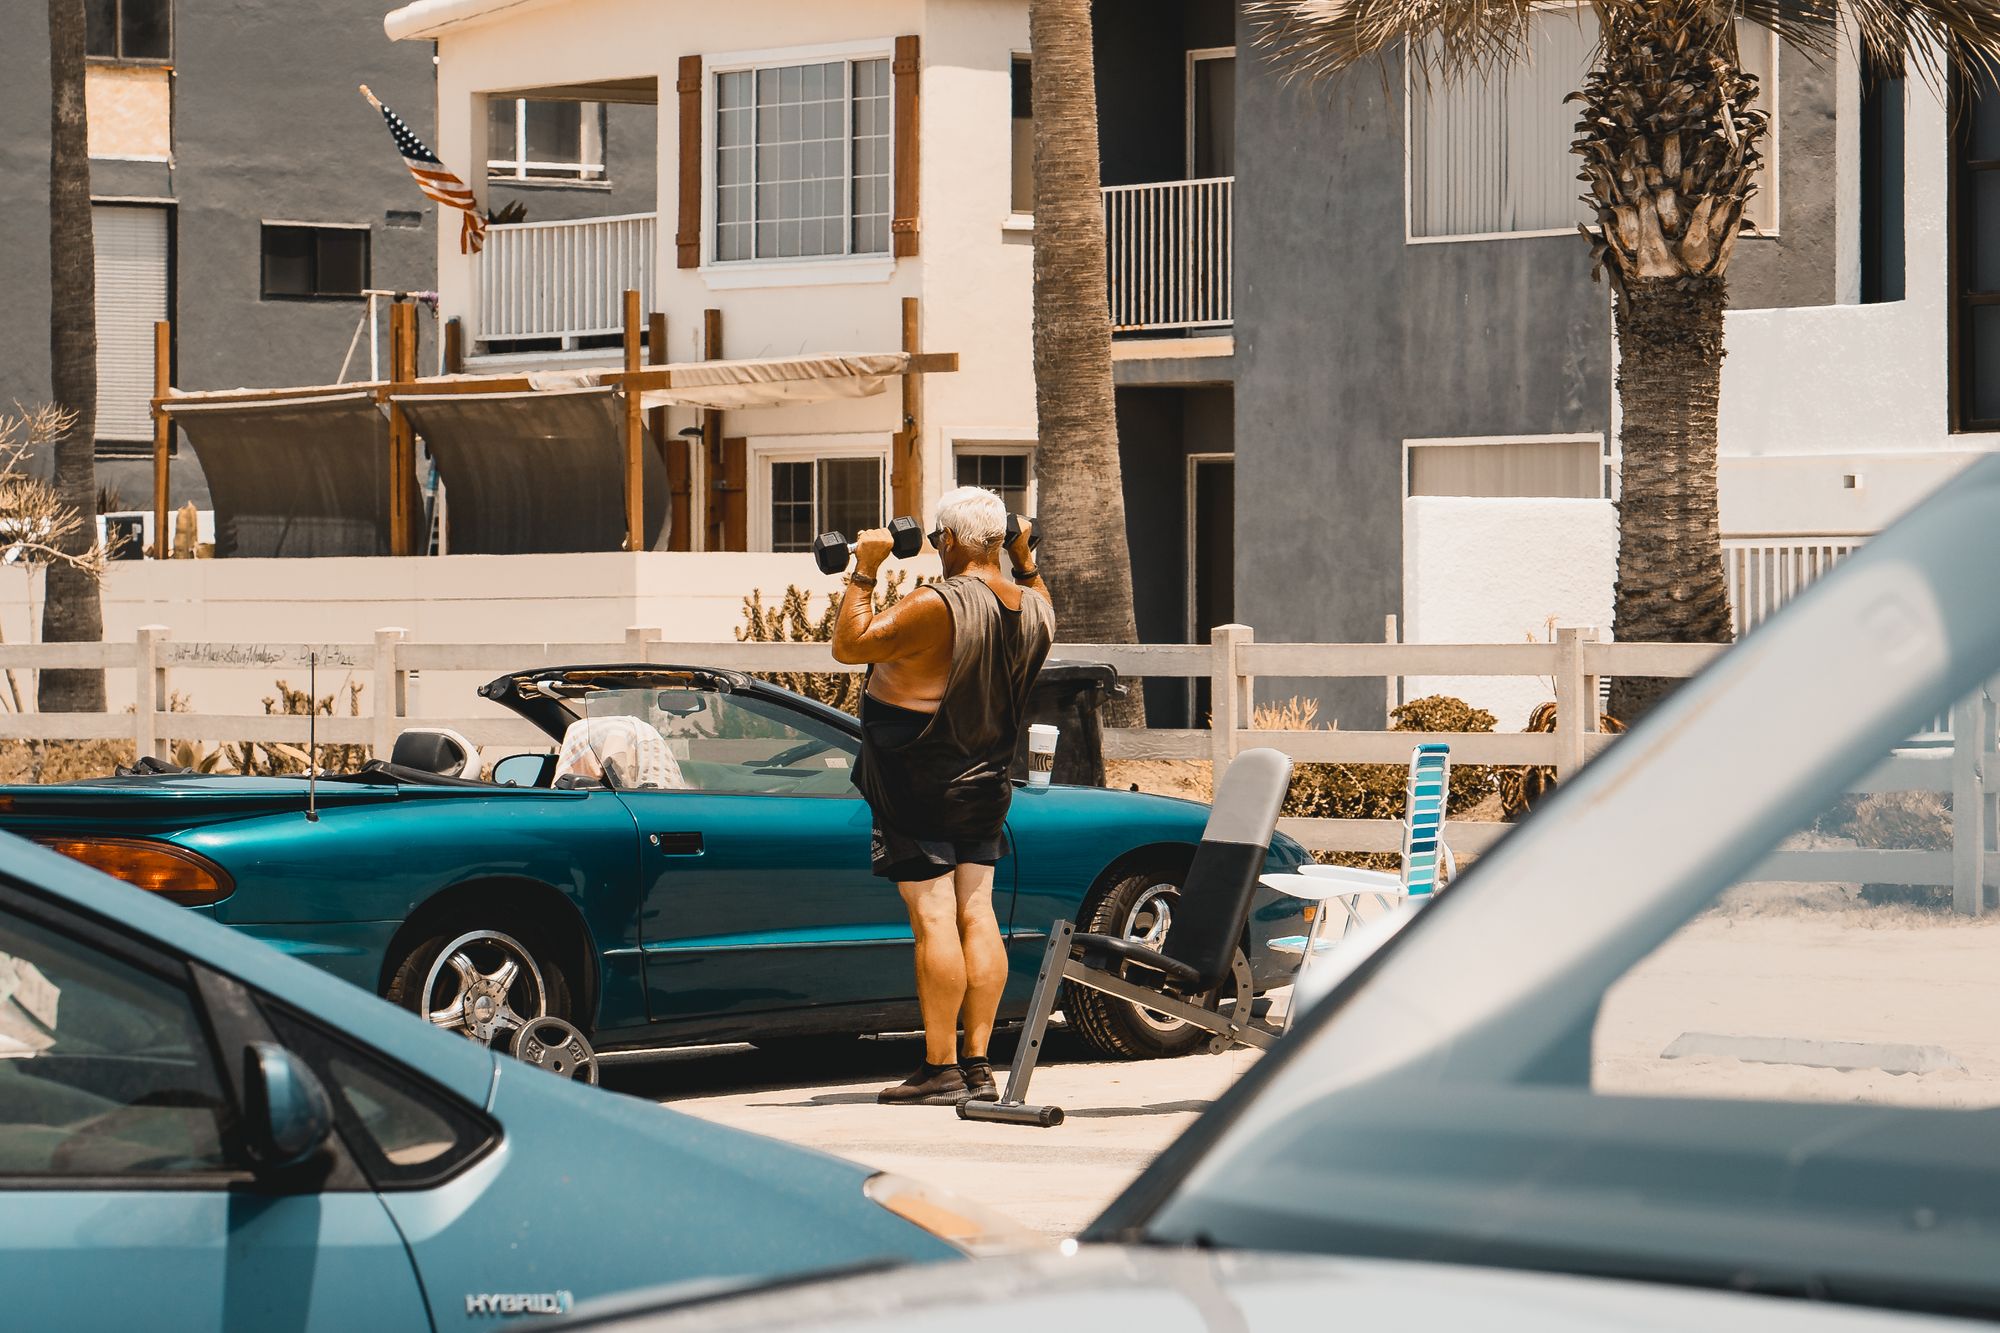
x,y
931,1085
979,1084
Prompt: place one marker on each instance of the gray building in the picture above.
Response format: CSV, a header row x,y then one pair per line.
x,y
1394,274
246,192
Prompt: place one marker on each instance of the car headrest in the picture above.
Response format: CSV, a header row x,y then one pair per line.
x,y
438,750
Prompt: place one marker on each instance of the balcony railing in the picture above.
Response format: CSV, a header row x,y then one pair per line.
x,y
1170,246
1763,573
563,280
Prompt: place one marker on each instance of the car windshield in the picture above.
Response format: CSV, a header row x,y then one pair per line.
x,y
1725,1011
690,738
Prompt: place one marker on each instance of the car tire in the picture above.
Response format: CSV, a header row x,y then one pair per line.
x,y
484,944
1116,1028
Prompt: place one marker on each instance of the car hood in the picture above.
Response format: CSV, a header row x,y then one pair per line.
x,y
1182,1291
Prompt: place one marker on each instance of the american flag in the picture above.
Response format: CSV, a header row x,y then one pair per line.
x,y
434,179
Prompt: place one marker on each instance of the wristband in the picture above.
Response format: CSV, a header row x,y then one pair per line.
x,y
1021,575
860,580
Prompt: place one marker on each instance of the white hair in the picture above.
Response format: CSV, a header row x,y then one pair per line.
x,y
974,515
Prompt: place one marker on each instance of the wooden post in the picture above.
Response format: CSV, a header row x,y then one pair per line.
x,y
906,481
149,692
1572,707
391,701
711,441
454,346
402,437
1391,684
1971,719
635,435
163,437
672,449
1226,694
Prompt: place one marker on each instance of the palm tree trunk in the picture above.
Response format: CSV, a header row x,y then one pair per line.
x,y
71,609
1084,554
1670,583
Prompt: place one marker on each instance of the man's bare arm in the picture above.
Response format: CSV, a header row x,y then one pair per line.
x,y
911,626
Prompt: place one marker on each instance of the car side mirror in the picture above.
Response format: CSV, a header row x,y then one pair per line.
x,y
287,1113
519,770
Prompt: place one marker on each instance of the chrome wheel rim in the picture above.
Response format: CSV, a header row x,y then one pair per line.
x,y
1147,922
484,985
552,1044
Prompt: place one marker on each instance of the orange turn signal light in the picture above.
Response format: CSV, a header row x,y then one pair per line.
x,y
176,874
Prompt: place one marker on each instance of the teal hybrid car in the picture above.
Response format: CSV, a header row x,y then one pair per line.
x,y
686,861
199,1133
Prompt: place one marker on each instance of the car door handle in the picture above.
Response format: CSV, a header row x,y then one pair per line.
x,y
676,844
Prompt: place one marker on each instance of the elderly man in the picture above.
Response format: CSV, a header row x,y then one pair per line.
x,y
949,671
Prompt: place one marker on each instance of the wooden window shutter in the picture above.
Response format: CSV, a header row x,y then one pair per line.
x,y
687,240
735,490
908,70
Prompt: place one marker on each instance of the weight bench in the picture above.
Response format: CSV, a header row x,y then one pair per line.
x,y
1185,977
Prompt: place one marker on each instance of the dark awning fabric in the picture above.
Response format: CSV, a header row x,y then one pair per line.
x,y
533,472
294,477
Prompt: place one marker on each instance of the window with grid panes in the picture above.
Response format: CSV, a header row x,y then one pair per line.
x,y
536,139
811,496
802,161
132,30
1005,474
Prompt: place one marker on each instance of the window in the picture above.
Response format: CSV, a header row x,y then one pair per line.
x,y
814,495
1975,247
104,1069
314,261
1023,196
1882,121
738,743
129,29
1008,473
406,1133
1211,101
132,244
533,139
1490,151
1509,469
802,161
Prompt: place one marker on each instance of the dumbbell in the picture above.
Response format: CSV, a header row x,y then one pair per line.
x,y
832,550
1014,525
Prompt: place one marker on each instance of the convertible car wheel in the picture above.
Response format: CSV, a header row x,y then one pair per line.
x,y
1139,907
481,983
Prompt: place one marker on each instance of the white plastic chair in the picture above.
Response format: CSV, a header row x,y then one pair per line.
x,y
1424,855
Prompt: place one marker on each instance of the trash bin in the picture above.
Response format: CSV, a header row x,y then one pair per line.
x,y
1068,696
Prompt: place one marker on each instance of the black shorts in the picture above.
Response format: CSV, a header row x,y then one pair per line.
x,y
906,860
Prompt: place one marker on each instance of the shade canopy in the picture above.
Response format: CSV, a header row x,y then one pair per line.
x,y
294,476
536,471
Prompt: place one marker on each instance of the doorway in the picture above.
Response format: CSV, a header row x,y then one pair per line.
x,y
1211,548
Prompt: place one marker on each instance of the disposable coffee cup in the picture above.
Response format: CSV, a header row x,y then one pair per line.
x,y
1041,754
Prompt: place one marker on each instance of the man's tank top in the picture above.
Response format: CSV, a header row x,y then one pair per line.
x,y
952,780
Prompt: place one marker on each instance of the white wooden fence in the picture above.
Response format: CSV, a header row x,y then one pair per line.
x,y
1232,662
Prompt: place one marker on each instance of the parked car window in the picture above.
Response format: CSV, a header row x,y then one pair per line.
x,y
728,742
104,1066
405,1131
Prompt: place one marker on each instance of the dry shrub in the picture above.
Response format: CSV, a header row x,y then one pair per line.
x,y
60,761
262,759
1378,791
792,620
1522,788
1899,820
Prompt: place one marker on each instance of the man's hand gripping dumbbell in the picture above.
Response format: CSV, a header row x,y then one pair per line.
x,y
832,550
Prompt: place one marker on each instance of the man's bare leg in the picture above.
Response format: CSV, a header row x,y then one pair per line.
x,y
940,964
985,956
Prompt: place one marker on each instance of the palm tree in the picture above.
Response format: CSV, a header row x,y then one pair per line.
x,y
71,609
1669,138
1081,506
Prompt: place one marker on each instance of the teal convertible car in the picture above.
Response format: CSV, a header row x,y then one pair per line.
x,y
688,861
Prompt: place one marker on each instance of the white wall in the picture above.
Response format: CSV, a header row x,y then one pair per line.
x,y
975,285
1815,394
503,599
1496,571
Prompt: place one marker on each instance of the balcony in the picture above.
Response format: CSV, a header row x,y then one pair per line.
x,y
563,282
1170,250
